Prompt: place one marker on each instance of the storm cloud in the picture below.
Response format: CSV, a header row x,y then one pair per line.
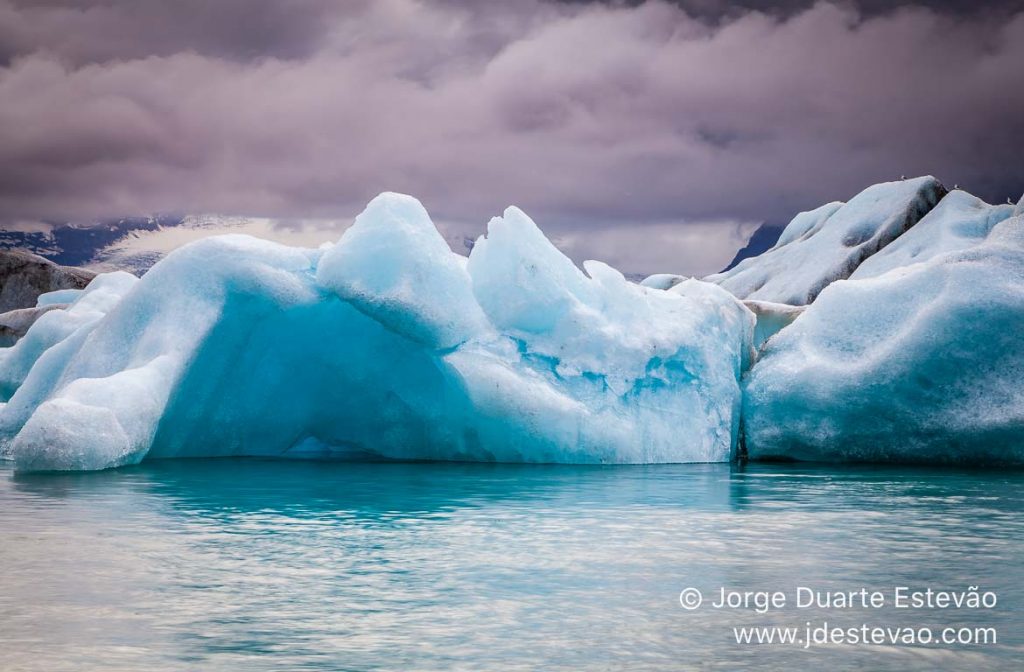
x,y
640,133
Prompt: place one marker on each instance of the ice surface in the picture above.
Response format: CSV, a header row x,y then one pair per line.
x,y
830,242
923,363
959,221
393,266
58,296
388,345
662,280
15,323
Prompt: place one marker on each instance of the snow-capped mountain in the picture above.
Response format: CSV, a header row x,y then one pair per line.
x,y
134,244
78,243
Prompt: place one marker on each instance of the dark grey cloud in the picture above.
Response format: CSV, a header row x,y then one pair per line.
x,y
726,9
82,31
605,121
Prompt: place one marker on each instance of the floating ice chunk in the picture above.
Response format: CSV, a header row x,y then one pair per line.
x,y
829,243
393,265
921,364
387,345
959,221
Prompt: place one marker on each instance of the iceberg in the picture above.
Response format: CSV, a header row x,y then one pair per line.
x,y
920,363
386,345
829,243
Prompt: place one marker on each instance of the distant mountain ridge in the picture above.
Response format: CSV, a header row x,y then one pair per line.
x,y
76,244
134,244
762,240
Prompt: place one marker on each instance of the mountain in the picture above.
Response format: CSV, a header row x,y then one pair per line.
x,y
24,276
78,243
762,240
134,244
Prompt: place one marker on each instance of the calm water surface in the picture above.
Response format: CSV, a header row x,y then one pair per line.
x,y
249,564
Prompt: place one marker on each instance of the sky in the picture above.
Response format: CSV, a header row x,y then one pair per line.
x,y
653,135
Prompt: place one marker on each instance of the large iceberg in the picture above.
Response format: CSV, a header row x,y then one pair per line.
x,y
829,243
385,346
920,363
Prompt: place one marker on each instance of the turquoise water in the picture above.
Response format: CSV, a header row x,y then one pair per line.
x,y
250,564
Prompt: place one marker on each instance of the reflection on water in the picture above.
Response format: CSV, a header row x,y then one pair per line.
x,y
229,564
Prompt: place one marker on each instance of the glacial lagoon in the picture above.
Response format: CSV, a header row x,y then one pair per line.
x,y
254,564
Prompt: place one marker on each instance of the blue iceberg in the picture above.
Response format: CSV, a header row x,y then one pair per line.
x,y
386,345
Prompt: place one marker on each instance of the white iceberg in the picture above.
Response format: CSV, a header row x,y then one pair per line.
x,y
922,363
387,346
830,242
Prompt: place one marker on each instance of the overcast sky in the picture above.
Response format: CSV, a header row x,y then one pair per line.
x,y
652,135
